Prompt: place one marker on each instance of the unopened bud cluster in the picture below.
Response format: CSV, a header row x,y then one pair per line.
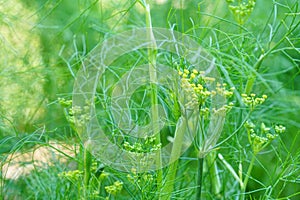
x,y
260,138
73,175
65,103
142,146
241,9
139,179
82,113
115,188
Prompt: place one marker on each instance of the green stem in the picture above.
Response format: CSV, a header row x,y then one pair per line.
x,y
199,178
87,168
231,170
245,182
170,178
152,54
251,80
2,181
214,175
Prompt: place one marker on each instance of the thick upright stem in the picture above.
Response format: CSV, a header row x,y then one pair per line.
x,y
168,187
199,178
214,175
87,157
152,54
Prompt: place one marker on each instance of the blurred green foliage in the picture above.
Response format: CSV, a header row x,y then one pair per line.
x,y
44,42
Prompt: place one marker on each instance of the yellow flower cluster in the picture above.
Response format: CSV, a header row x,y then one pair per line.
x,y
252,101
195,84
221,89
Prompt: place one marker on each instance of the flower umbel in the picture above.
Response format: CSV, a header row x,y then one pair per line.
x,y
259,139
114,188
200,92
252,101
241,10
